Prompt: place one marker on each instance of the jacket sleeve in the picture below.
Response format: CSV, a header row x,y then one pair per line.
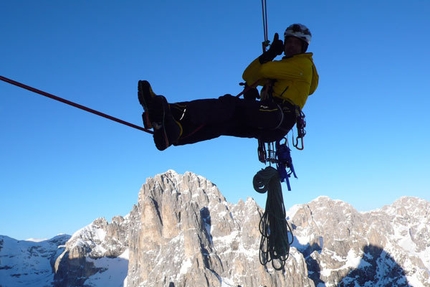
x,y
252,73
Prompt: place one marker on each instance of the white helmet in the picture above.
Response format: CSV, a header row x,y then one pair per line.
x,y
299,31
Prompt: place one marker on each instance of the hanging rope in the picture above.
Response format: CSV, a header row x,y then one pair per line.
x,y
275,231
265,44
51,96
265,26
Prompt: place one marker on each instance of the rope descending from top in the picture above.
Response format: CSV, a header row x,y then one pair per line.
x,y
276,233
265,26
51,96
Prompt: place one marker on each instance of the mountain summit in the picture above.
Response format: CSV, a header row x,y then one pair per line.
x,y
183,232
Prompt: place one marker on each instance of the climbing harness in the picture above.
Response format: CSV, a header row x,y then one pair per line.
x,y
51,96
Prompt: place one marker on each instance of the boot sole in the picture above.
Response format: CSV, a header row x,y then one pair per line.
x,y
142,88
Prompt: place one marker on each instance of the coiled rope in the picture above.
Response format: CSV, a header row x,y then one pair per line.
x,y
276,233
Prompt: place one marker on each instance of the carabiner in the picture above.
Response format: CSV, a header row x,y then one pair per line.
x,y
296,144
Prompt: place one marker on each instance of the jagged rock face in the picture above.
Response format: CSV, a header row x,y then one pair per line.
x,y
183,232
186,234
386,247
79,260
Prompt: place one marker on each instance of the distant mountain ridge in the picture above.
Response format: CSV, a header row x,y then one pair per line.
x,y
183,232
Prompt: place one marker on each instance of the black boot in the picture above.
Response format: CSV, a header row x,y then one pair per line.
x,y
145,96
166,129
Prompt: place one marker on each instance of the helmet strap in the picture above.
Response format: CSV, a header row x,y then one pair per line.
x,y
305,46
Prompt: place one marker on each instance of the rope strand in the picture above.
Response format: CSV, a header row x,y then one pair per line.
x,y
51,96
265,25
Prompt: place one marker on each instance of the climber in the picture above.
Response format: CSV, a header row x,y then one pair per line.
x,y
287,83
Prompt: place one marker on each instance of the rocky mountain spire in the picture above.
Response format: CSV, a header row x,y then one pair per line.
x,y
184,233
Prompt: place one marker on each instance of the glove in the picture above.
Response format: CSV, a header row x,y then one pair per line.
x,y
275,49
250,93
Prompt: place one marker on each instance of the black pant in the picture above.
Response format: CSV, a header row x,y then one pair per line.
x,y
232,116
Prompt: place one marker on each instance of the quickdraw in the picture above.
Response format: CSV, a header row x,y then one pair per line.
x,y
284,164
278,153
301,132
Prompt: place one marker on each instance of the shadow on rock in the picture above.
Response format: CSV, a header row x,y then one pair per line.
x,y
376,268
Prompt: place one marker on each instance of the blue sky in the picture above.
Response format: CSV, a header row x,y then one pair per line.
x,y
61,168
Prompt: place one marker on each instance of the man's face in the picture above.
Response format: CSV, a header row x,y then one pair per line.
x,y
293,46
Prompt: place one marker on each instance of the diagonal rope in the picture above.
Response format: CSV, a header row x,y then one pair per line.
x,y
51,96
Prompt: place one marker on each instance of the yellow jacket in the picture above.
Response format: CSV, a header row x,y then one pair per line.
x,y
296,77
